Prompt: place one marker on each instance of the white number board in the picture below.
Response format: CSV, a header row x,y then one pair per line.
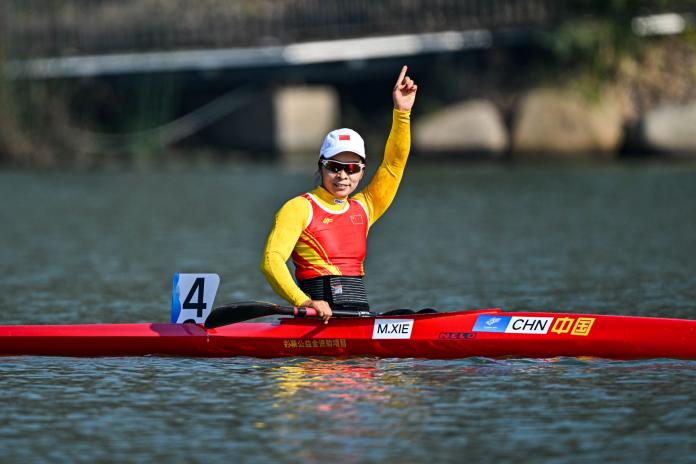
x,y
193,296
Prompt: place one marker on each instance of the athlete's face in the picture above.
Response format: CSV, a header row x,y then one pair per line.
x,y
341,184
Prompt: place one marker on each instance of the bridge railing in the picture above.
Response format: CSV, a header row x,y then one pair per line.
x,y
33,28
41,28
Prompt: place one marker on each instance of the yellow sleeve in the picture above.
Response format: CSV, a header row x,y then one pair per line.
x,y
379,194
289,223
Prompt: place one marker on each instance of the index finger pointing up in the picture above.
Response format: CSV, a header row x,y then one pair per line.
x,y
400,80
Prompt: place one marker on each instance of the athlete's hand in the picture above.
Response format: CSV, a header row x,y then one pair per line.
x,y
322,307
404,94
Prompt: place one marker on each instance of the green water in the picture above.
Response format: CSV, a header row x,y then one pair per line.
x,y
102,247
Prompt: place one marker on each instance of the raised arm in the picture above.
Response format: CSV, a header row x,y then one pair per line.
x,y
381,191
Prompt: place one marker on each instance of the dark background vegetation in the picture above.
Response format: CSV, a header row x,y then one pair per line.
x,y
586,45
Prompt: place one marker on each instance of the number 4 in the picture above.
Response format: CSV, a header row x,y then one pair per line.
x,y
199,291
200,305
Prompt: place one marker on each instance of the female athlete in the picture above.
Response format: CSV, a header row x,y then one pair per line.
x,y
325,230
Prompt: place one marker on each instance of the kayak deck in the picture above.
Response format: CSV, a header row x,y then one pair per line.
x,y
487,333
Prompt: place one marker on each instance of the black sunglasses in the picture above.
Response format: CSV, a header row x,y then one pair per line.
x,y
337,166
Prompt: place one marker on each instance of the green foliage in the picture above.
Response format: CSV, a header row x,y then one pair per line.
x,y
597,34
594,44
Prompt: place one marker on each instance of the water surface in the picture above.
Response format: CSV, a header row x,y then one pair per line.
x,y
101,247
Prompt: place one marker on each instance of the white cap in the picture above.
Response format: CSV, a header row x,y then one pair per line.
x,y
340,140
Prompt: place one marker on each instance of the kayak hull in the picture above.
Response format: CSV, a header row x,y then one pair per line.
x,y
487,333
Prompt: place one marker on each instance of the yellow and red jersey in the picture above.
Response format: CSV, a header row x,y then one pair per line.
x,y
323,233
323,249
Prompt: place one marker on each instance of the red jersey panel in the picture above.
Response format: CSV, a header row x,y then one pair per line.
x,y
333,243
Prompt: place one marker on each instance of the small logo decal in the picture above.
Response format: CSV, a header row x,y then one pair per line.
x,y
356,219
456,335
344,137
327,220
491,323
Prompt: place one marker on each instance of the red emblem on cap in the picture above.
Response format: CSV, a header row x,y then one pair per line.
x,y
344,137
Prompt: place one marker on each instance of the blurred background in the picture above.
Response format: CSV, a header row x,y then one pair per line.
x,y
143,138
151,82
550,169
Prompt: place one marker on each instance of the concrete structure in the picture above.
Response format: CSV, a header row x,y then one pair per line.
x,y
470,127
565,124
303,116
671,130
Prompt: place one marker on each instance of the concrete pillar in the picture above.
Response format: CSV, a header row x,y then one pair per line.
x,y
303,116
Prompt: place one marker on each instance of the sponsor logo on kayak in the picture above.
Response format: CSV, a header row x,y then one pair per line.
x,y
456,335
491,323
392,329
529,325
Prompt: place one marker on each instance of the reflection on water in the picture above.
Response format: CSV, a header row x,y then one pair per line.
x,y
345,410
341,389
101,247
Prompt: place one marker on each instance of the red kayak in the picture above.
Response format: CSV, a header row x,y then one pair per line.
x,y
488,333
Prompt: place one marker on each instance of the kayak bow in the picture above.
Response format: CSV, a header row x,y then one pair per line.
x,y
488,333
